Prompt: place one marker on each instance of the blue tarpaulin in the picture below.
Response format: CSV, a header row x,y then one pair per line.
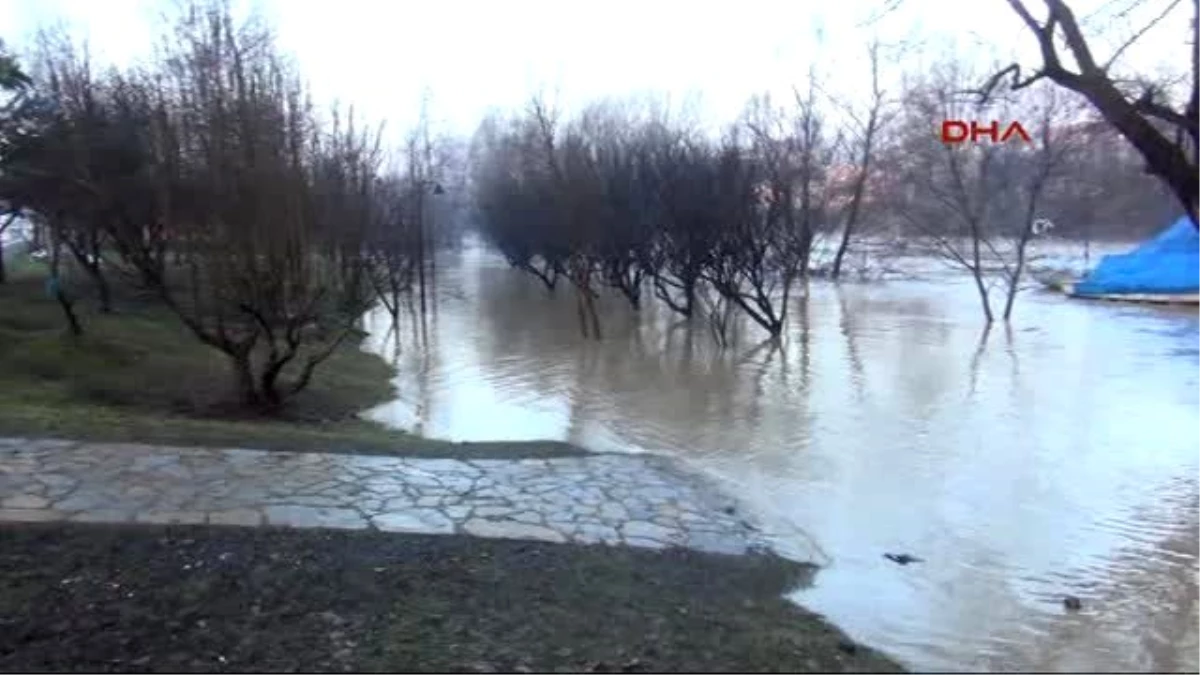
x,y
1168,264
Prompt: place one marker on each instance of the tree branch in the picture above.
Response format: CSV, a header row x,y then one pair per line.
x,y
1136,36
1017,83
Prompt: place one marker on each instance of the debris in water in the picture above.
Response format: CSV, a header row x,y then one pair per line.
x,y
1072,603
902,558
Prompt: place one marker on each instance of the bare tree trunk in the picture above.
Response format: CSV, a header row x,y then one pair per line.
x,y
103,291
864,166
269,389
56,289
582,312
85,249
847,232
590,302
684,305
427,183
433,252
589,320
720,311
1135,119
984,301
4,227
548,276
1014,284
421,246
68,308
1051,153
1018,268
977,271
243,375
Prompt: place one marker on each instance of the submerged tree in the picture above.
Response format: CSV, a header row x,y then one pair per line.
x,y
864,143
976,205
615,198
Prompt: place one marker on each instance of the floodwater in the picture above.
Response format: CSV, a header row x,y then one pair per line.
x,y
1058,457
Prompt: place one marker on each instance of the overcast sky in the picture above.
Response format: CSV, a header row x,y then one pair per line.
x,y
476,54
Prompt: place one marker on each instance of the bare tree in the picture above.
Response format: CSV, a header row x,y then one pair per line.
x,y
975,205
518,200
684,182
55,286
61,170
864,142
1166,134
1038,170
615,197
423,184
777,197
575,201
14,110
273,261
216,155
626,222
393,246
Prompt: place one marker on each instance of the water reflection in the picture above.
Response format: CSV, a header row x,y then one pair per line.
x,y
1057,456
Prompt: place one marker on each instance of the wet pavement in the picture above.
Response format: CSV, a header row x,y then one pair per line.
x,y
611,499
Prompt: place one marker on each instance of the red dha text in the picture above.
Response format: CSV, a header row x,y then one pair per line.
x,y
958,131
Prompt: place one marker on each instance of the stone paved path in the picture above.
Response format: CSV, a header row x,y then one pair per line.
x,y
616,499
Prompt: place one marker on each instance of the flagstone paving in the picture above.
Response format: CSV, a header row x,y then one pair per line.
x,y
636,500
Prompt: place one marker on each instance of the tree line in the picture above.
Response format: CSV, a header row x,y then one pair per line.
x,y
209,180
266,225
624,195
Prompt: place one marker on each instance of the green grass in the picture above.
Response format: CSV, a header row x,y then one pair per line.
x,y
138,375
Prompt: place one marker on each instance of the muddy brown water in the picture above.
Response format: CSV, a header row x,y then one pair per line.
x,y
1058,457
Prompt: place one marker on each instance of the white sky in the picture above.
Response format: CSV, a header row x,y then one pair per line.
x,y
381,55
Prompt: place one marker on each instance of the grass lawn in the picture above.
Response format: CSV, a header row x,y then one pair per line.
x,y
92,598
138,375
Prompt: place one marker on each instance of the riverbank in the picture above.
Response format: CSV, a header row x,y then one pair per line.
x,y
148,598
137,375
144,597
